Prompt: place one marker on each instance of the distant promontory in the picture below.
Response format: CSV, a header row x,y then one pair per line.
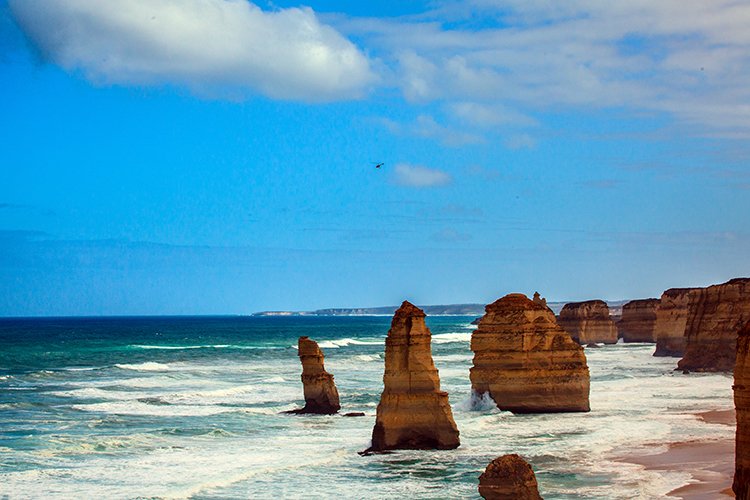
x,y
438,310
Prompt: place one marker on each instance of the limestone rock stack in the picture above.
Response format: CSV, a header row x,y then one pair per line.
x,y
526,362
413,412
741,387
588,322
638,321
715,315
671,319
509,477
538,299
320,391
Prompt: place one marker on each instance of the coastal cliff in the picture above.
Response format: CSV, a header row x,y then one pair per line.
x,y
715,315
526,361
671,319
741,486
509,477
413,412
638,321
321,395
588,322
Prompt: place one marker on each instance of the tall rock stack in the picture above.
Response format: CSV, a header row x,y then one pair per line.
x,y
525,361
671,319
413,412
320,391
741,388
509,477
588,322
638,321
715,315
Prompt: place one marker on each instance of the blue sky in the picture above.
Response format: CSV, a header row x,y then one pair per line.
x,y
216,156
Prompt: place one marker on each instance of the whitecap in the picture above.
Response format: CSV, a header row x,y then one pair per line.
x,y
477,402
149,366
446,338
335,344
141,408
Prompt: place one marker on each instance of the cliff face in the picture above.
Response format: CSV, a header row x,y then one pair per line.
x,y
509,477
715,315
671,319
320,391
413,412
638,321
526,362
741,388
588,322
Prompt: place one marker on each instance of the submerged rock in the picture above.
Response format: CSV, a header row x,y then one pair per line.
x,y
671,319
354,414
741,486
638,321
525,361
413,412
715,315
509,477
588,322
321,396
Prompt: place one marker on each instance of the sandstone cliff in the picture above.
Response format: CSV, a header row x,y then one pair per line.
x,y
741,387
671,318
413,412
509,477
588,322
526,362
638,321
320,391
715,315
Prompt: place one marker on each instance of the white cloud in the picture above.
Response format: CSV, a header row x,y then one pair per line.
x,y
426,127
419,176
490,115
685,59
520,141
208,46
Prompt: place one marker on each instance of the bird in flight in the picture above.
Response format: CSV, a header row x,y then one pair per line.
x,y
378,165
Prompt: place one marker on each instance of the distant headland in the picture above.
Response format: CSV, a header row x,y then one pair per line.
x,y
615,308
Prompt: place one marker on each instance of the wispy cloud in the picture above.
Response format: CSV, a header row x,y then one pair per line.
x,y
426,127
687,60
520,141
208,46
602,184
419,176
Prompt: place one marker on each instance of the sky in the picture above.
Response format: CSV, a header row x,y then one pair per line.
x,y
218,156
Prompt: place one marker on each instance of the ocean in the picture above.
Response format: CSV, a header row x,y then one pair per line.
x,y
189,407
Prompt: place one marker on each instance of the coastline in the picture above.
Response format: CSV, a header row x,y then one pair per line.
x,y
710,463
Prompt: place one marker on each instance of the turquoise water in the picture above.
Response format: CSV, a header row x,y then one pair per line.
x,y
189,408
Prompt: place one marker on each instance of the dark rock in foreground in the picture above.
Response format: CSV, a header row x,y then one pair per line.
x,y
509,477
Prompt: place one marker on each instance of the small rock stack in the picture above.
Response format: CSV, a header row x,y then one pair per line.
x,y
509,477
321,396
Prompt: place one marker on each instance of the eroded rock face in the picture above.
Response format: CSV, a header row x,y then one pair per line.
x,y
320,391
741,388
588,322
715,315
671,319
509,477
413,412
638,321
526,361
